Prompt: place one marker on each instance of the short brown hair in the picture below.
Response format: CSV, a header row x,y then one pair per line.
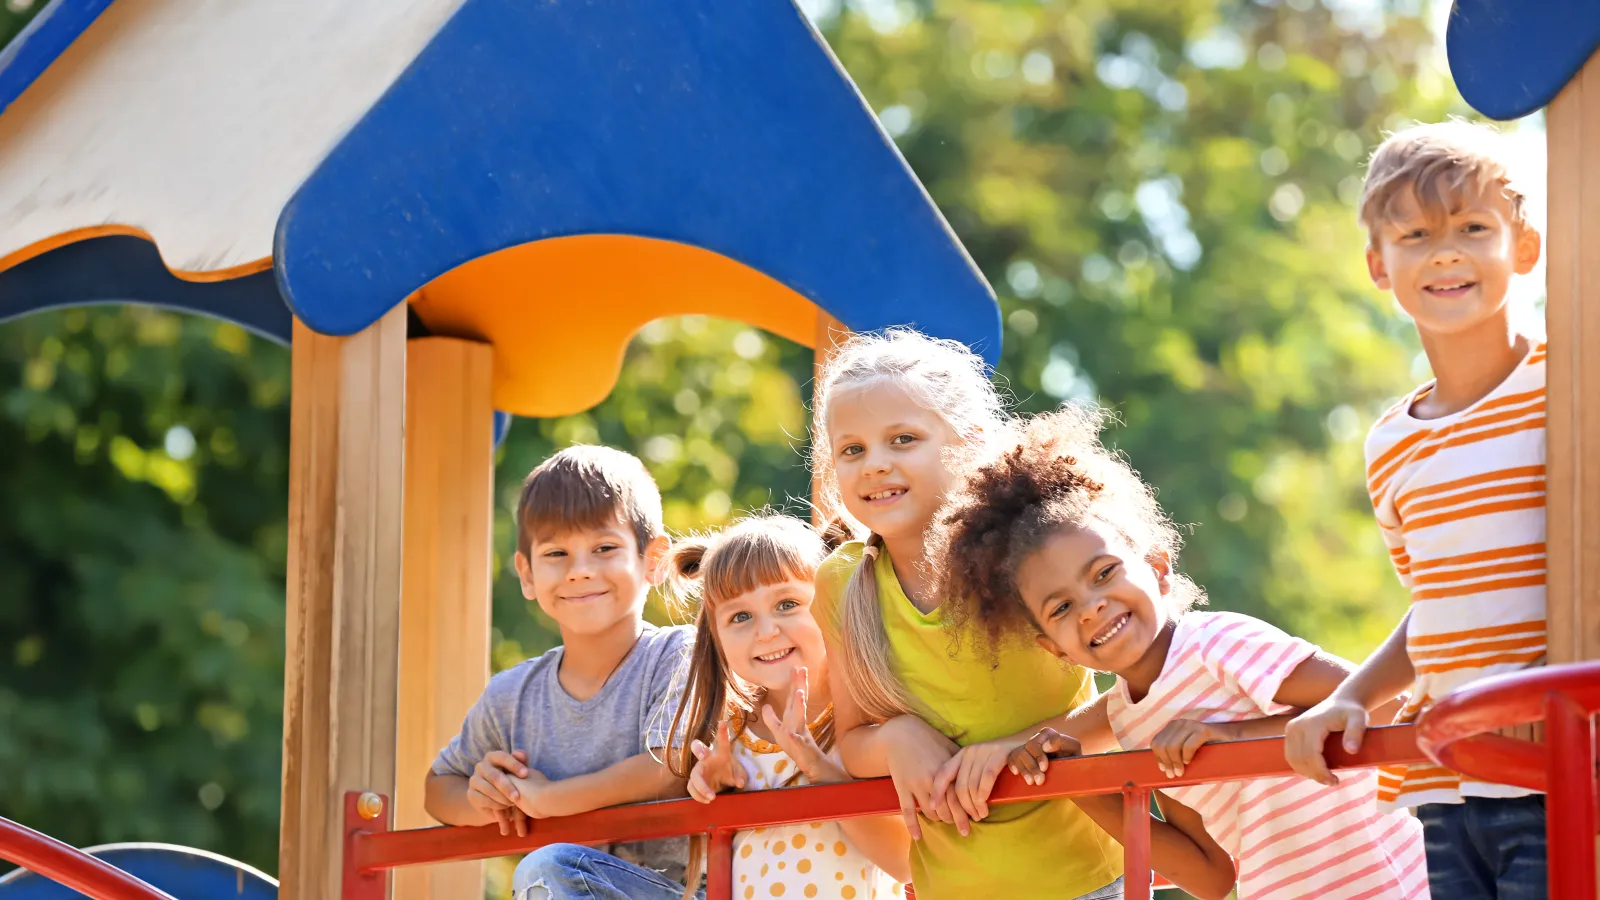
x,y
1439,164
589,487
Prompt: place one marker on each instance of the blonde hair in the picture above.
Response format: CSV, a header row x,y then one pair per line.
x,y
947,379
703,571
1440,165
1053,472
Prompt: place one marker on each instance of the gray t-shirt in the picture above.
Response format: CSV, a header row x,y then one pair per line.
x,y
525,708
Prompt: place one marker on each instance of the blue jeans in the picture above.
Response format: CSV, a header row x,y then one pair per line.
x,y
573,872
1486,848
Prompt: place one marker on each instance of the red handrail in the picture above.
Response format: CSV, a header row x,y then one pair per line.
x,y
370,849
1453,733
70,866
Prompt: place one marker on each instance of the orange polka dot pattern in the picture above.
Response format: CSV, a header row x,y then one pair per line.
x,y
809,860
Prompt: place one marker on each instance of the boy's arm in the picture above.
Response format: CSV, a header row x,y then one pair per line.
x,y
445,799
1181,849
634,780
1385,674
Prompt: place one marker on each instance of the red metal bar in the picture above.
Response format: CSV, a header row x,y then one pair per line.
x,y
70,866
356,884
1569,741
1136,844
719,866
1111,773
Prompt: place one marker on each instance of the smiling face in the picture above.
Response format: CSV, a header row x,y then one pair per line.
x,y
1097,601
887,457
589,579
1450,271
767,632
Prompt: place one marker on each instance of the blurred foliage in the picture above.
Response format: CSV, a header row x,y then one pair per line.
x,y
1160,190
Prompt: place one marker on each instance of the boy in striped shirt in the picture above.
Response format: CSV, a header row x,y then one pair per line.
x,y
1456,475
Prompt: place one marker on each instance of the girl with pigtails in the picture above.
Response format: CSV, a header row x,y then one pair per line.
x,y
756,712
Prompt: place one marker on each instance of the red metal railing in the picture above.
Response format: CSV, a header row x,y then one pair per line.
x,y
69,866
1453,734
371,849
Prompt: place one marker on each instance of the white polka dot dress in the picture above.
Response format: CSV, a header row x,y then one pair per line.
x,y
797,861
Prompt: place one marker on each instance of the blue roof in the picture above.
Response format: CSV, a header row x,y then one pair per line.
x,y
1509,58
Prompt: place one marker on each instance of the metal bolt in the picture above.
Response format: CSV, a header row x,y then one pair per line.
x,y
369,805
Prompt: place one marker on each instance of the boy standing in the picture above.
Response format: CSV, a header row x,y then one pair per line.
x,y
582,726
1457,480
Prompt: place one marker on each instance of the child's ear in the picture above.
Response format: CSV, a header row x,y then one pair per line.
x,y
655,557
1529,245
1049,646
1378,271
1162,564
524,569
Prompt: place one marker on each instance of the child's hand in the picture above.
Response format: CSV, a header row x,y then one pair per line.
x,y
1305,737
969,775
716,770
534,795
916,752
1176,744
793,735
491,790
1032,759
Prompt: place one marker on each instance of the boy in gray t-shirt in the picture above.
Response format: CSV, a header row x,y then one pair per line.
x,y
582,726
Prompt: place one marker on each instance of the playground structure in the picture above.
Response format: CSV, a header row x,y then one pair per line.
x,y
453,207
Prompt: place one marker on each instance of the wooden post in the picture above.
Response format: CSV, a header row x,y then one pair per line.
x,y
1572,314
830,334
444,621
346,446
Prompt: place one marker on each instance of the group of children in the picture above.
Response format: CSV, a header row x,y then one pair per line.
x,y
994,565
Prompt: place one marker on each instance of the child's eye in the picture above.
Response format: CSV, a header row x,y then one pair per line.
x,y
1474,227
738,618
851,450
606,548
1105,574
552,554
786,605
903,439
1061,609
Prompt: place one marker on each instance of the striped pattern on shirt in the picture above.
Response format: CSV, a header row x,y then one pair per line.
x,y
1290,837
1460,500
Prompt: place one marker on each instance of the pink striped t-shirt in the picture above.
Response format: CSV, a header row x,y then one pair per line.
x,y
1290,837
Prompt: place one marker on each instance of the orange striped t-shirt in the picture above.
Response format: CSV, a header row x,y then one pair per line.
x,y
1460,500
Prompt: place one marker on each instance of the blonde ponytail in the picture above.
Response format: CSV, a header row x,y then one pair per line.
x,y
873,683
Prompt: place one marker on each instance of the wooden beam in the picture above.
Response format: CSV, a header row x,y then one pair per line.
x,y
1572,317
444,618
346,446
830,334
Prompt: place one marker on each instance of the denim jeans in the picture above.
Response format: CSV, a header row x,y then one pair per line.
x,y
573,872
1486,848
1112,891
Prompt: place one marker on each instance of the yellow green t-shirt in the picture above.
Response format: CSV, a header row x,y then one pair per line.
x,y
1022,849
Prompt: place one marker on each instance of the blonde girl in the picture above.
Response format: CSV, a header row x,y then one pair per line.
x,y
1057,540
756,715
889,408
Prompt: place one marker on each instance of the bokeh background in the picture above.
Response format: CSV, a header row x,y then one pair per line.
x,y
1161,192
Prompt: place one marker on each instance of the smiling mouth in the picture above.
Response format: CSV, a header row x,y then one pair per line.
x,y
584,598
1111,630
885,494
776,656
1452,289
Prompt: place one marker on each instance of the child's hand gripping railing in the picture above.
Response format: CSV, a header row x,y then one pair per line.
x,y
1454,733
371,849
71,867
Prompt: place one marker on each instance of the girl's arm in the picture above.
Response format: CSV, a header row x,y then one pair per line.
x,y
884,840
1181,849
969,776
1385,674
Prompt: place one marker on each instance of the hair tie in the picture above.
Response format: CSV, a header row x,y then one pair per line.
x,y
871,552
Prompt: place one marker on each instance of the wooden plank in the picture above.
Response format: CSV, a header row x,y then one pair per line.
x,y
343,606
444,614
1572,243
830,334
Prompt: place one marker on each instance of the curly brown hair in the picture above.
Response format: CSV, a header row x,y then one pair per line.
x,y
1052,471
